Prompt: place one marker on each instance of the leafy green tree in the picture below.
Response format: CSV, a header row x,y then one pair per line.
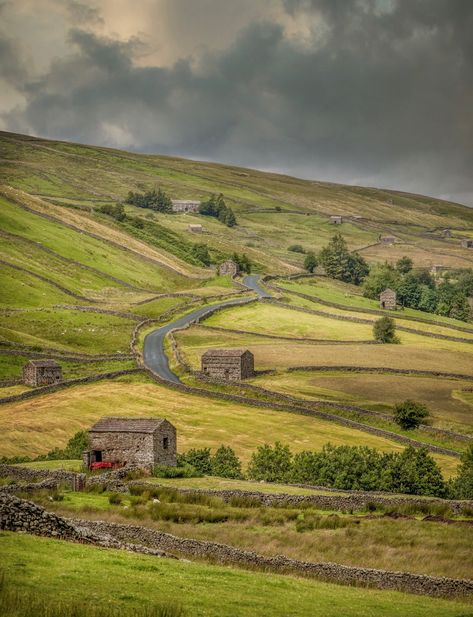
x,y
200,459
415,472
340,264
226,464
270,463
243,261
117,211
460,308
409,414
215,206
462,487
409,291
428,299
310,262
381,277
404,265
201,252
384,330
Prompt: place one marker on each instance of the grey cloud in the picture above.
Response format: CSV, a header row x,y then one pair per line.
x,y
382,94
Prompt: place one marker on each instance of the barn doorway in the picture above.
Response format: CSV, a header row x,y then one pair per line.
x,y
165,443
98,456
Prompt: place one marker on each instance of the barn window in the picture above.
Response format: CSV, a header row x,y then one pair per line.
x,y
165,443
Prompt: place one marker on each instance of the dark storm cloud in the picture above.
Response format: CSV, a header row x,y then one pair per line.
x,y
376,91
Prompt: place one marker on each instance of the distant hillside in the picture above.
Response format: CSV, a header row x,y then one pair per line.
x,y
68,181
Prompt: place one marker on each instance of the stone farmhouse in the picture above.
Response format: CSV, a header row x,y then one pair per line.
x,y
388,299
42,373
467,243
125,441
228,364
195,228
185,205
336,219
229,267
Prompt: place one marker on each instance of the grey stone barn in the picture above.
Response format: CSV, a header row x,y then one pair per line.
x,y
42,373
336,219
388,299
229,267
185,205
467,243
228,364
139,441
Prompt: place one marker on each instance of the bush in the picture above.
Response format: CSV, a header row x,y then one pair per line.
x,y
198,458
272,464
181,471
115,499
409,414
462,486
310,262
296,248
384,330
226,464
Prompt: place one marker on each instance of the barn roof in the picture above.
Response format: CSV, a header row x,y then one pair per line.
x,y
44,363
387,291
225,353
111,424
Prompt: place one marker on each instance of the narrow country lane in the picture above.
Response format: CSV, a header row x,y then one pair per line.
x,y
154,356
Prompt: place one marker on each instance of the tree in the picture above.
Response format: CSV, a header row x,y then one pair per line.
x,y
310,262
409,291
226,464
199,459
381,277
404,265
296,248
216,207
384,330
340,264
414,471
201,252
272,464
410,414
463,484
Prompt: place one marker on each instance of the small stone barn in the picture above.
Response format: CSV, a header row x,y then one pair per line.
x,y
229,267
125,441
387,239
388,299
467,243
446,233
228,364
42,373
184,205
336,219
195,228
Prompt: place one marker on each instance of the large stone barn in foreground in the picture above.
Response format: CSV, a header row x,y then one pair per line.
x,y
125,441
42,373
228,364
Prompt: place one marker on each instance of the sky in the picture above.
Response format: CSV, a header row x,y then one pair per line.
x,y
367,92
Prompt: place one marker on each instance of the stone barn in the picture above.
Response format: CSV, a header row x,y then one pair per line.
x,y
138,441
336,219
185,205
42,373
446,233
228,364
388,299
195,228
229,267
467,243
387,239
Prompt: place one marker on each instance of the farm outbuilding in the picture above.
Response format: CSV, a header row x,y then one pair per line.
x,y
387,239
467,243
228,364
185,205
229,267
124,441
195,228
336,219
388,299
42,373
446,233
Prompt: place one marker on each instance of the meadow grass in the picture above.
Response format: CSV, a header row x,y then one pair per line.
x,y
127,581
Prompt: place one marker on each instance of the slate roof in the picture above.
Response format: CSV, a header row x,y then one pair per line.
x,y
111,424
388,291
44,363
225,353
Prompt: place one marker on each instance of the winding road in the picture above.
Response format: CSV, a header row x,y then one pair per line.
x,y
154,356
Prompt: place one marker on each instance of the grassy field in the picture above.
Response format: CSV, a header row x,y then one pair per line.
x,y
42,566
308,534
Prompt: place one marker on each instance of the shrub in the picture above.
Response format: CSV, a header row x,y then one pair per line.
x,y
115,499
384,330
270,463
409,414
197,458
226,464
181,471
310,262
296,248
462,487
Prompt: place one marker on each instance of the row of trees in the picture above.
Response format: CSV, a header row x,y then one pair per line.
x,y
156,200
412,471
415,288
215,206
418,289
